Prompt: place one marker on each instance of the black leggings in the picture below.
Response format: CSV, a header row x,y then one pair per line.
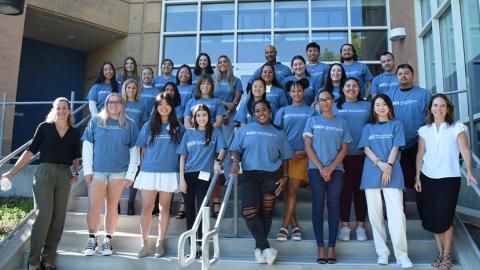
x,y
258,199
352,178
196,191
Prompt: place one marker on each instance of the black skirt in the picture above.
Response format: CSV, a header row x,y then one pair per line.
x,y
437,202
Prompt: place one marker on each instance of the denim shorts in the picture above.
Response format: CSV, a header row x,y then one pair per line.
x,y
107,176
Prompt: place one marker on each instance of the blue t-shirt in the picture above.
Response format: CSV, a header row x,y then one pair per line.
x,y
262,147
281,71
318,70
292,120
277,98
310,93
111,144
160,81
384,83
328,136
98,93
147,97
224,92
243,115
357,115
411,108
359,71
200,157
381,138
160,154
137,111
214,105
186,92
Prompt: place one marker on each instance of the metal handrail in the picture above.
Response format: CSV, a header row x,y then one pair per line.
x,y
213,234
203,215
474,186
186,259
20,149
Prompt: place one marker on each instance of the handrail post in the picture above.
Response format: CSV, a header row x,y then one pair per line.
x,y
473,133
2,125
235,206
205,230
72,100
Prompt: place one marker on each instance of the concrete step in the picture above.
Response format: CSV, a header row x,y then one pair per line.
x,y
131,224
70,260
75,241
303,210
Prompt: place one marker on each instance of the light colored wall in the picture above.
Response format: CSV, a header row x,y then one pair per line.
x,y
402,14
11,32
141,42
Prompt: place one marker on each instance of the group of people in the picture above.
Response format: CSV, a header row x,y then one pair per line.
x,y
349,136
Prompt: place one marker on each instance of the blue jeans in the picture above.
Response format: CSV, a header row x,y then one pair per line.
x,y
333,188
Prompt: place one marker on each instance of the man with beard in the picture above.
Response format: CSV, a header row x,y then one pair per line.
x,y
281,71
388,79
410,104
356,69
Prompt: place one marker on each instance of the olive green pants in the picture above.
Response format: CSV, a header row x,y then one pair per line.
x,y
51,188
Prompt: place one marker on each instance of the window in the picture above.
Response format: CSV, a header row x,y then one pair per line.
x,y
181,18
291,14
368,12
216,45
448,52
180,49
426,10
369,44
251,47
289,45
329,13
330,43
217,16
429,62
254,15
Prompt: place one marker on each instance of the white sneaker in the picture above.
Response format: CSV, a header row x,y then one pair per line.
x,y
344,234
107,247
91,246
259,256
270,255
382,260
361,234
405,262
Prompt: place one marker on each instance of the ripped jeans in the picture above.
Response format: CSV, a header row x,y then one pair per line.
x,y
258,198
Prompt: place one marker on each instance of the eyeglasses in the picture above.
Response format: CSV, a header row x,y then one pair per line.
x,y
325,100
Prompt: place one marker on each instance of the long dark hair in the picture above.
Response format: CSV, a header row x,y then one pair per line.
x,y
251,99
449,117
299,57
178,73
388,101
134,72
197,70
156,120
176,97
208,127
341,99
101,77
275,82
200,81
355,56
329,83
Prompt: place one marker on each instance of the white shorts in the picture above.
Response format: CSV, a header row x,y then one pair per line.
x,y
166,182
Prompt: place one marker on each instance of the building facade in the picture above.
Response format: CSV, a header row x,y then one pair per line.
x,y
439,42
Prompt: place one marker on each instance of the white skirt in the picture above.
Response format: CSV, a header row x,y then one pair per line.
x,y
166,182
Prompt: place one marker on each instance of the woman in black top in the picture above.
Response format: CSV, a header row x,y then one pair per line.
x,y
59,145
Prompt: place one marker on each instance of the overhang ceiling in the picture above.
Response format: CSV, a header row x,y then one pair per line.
x,y
66,32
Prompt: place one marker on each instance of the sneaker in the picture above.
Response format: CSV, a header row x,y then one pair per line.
x,y
259,256
344,234
270,255
405,262
92,245
361,234
382,260
107,247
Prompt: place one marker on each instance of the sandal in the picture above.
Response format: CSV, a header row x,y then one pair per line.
x,y
214,211
436,263
181,213
282,235
322,260
446,263
332,260
297,234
